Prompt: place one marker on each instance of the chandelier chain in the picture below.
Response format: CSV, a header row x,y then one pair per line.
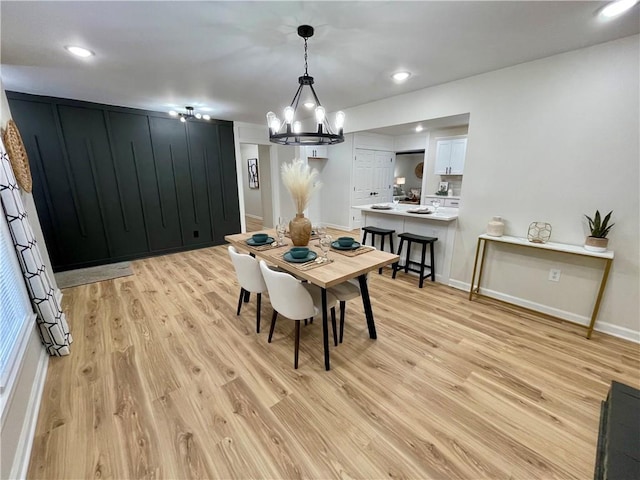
x,y
305,57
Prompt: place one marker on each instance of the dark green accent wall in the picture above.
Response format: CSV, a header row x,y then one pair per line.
x,y
113,183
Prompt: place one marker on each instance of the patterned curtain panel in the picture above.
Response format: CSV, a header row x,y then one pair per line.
x,y
52,323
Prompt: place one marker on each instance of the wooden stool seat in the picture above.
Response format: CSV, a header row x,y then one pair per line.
x,y
383,232
424,241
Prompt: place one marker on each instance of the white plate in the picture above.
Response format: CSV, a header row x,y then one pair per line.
x,y
423,211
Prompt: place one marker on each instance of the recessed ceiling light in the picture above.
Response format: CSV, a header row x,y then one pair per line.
x,y
173,113
617,8
309,105
400,76
79,51
419,128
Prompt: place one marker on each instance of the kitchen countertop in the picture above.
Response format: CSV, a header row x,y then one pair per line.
x,y
444,214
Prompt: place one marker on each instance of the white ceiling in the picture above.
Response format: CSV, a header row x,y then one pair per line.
x,y
242,59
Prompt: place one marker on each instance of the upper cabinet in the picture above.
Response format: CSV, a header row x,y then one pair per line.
x,y
314,151
450,154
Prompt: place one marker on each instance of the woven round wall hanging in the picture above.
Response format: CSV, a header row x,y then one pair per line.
x,y
17,156
418,170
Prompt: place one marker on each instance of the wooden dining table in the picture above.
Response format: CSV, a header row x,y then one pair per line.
x,y
326,275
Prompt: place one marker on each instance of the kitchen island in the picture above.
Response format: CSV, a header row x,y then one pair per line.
x,y
441,224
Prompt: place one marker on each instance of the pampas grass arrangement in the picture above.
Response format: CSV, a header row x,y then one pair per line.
x,y
301,181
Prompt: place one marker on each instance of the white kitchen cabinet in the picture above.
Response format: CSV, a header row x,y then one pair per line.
x,y
450,154
315,151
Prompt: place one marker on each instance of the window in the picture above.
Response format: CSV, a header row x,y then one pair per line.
x,y
16,314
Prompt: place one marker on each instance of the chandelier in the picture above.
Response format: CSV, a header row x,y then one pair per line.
x,y
189,114
290,131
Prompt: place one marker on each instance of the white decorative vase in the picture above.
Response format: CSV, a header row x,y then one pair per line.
x,y
495,228
596,244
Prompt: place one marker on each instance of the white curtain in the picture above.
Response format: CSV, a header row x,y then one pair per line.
x,y
52,323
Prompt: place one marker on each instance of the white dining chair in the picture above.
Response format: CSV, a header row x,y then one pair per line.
x,y
344,292
295,300
250,279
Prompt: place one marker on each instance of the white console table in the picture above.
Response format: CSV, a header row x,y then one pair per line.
x,y
556,247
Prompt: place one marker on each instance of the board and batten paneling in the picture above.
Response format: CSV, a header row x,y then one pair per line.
x,y
116,183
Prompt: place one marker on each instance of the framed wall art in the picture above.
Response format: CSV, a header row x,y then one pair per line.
x,y
252,164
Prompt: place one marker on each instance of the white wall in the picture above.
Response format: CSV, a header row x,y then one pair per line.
x,y
548,140
21,399
252,196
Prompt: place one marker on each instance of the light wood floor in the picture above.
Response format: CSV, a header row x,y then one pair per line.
x,y
253,224
165,381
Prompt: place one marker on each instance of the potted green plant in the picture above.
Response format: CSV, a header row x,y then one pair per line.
x,y
599,228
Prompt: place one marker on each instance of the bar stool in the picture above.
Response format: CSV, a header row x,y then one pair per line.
x,y
424,241
383,232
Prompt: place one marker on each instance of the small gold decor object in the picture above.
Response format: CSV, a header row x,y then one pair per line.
x,y
17,156
539,232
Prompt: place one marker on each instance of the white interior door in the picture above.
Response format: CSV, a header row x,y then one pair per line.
x,y
383,176
362,182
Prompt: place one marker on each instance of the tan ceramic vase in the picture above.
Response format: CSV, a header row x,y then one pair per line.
x,y
300,230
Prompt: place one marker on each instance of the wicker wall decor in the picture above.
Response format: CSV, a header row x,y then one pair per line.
x,y
539,232
17,156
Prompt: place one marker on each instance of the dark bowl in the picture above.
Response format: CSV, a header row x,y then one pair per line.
x,y
260,237
299,252
345,241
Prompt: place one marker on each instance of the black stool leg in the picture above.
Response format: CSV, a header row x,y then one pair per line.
x,y
433,262
364,238
396,265
381,248
407,257
424,255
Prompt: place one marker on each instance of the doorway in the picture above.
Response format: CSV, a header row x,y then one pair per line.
x,y
257,188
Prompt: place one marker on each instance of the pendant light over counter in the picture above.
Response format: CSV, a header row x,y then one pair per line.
x,y
290,131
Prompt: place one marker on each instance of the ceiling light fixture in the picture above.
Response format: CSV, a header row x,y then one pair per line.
x,y
189,114
79,51
419,128
617,8
290,132
400,76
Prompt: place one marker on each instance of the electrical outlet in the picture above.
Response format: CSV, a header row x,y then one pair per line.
x,y
554,275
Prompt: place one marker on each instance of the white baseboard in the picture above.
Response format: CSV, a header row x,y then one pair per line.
x,y
338,227
600,326
255,217
25,443
58,295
